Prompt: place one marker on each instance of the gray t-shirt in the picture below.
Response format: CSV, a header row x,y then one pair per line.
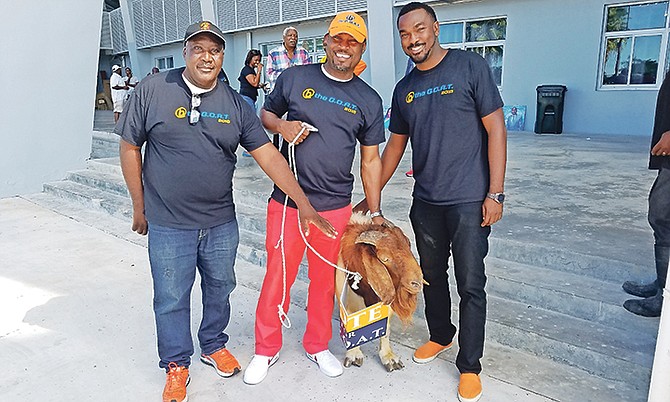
x,y
188,168
441,111
344,112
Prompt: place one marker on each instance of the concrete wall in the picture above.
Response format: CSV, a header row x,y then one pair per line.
x,y
48,79
551,42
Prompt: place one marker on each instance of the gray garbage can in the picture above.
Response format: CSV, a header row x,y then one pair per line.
x,y
550,101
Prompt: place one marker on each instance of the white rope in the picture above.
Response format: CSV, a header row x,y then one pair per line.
x,y
283,317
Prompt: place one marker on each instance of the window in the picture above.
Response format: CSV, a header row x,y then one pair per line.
x,y
165,63
635,45
486,37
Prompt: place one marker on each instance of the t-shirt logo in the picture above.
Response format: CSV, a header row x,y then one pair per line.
x,y
444,89
310,93
181,112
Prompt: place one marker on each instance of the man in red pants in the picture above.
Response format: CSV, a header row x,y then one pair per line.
x,y
345,111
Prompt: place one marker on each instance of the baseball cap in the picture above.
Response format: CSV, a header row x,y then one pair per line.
x,y
204,26
116,67
351,23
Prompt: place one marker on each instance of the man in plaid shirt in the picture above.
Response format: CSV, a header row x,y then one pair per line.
x,y
286,55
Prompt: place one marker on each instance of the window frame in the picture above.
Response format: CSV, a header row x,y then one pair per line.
x,y
633,34
158,60
467,45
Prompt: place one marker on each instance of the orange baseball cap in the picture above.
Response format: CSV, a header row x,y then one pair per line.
x,y
350,23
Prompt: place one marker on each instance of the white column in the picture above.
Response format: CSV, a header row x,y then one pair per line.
x,y
130,39
46,119
208,14
660,386
381,32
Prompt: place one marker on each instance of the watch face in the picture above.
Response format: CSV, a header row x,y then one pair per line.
x,y
501,198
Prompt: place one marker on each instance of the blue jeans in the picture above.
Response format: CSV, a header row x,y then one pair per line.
x,y
455,229
174,255
249,101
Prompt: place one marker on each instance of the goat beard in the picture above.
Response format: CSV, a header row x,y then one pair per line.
x,y
404,305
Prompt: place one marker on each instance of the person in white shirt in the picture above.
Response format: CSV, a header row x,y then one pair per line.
x,y
119,88
131,82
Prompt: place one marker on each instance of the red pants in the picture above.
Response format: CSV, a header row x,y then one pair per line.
x,y
321,279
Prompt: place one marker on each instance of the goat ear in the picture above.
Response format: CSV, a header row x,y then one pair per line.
x,y
370,237
378,277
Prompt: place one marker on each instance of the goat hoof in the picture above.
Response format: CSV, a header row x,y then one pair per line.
x,y
358,362
394,365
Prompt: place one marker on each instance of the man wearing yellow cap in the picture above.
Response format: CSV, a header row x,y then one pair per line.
x,y
344,111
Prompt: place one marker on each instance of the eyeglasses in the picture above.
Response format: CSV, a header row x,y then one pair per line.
x,y
194,116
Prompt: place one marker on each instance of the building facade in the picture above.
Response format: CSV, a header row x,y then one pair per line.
x,y
611,55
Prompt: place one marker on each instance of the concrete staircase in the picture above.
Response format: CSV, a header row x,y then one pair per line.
x,y
547,319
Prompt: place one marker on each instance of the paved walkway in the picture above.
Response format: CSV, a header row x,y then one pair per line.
x,y
77,324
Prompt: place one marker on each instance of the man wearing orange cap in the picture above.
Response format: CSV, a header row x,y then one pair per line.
x,y
344,111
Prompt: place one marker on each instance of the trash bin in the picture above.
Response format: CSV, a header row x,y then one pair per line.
x,y
550,100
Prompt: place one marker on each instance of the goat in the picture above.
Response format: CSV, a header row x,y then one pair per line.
x,y
391,274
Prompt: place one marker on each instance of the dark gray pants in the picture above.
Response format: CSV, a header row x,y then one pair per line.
x,y
659,219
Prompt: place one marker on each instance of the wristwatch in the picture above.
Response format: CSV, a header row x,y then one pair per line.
x,y
497,197
376,214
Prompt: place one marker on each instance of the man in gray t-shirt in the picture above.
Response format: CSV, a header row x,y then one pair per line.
x,y
191,125
450,109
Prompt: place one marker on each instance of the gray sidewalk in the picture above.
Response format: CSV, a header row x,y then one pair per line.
x,y
77,324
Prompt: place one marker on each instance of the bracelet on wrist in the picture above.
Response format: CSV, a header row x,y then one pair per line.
x,y
376,214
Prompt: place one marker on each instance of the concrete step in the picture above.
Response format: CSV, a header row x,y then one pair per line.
x,y
104,145
116,205
108,182
110,165
601,350
566,293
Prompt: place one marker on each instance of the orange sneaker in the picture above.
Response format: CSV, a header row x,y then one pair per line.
x,y
223,361
429,351
469,388
175,384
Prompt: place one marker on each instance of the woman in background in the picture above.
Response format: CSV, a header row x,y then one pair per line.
x,y
250,77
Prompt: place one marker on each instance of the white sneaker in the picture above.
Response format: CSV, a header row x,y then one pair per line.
x,y
258,368
328,364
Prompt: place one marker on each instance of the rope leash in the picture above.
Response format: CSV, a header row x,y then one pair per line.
x,y
283,317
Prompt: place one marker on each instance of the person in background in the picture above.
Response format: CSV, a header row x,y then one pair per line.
x,y
286,55
659,212
250,80
119,88
131,82
250,77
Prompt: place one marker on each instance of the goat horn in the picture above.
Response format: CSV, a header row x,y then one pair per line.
x,y
370,237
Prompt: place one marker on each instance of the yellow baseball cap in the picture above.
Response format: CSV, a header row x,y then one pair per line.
x,y
350,23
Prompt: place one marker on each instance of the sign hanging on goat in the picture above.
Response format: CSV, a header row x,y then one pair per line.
x,y
364,325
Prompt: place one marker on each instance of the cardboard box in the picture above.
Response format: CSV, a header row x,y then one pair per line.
x,y
364,325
